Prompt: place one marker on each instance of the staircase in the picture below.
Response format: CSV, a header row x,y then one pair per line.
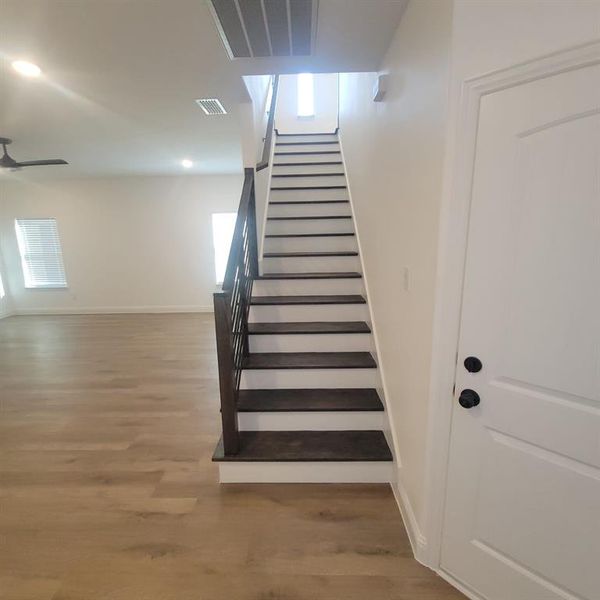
x,y
308,409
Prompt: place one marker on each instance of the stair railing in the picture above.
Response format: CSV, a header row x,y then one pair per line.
x,y
232,304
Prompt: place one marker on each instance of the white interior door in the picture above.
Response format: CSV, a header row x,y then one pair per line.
x,y
522,518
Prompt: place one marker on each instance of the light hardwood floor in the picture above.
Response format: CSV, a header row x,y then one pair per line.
x,y
107,492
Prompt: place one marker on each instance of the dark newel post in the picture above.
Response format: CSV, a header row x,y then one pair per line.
x,y
252,239
231,442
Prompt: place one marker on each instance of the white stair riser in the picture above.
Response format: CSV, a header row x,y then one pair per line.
x,y
308,181
311,226
253,379
302,287
326,342
296,147
305,472
310,421
308,312
313,209
300,137
311,244
309,168
316,264
304,158
307,195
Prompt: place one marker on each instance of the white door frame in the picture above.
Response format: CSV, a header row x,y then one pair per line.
x,y
451,267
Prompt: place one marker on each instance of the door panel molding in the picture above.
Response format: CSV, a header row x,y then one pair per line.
x,y
454,223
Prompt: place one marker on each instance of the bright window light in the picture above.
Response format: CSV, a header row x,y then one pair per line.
x,y
306,95
223,226
2,292
41,253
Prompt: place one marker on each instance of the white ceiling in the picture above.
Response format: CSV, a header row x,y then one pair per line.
x,y
120,78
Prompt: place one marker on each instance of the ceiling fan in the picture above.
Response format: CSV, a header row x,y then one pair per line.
x,y
7,162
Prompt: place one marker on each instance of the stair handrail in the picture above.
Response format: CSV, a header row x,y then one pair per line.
x,y
268,141
232,303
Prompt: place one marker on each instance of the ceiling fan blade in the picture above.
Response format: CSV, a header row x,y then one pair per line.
x,y
37,163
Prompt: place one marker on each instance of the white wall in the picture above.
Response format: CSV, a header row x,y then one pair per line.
x,y
325,119
394,154
129,243
6,302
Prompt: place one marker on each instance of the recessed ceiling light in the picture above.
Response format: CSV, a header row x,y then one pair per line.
x,y
26,69
186,163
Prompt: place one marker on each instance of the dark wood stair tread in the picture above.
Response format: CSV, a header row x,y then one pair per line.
x,y
309,187
304,164
309,360
309,254
289,300
307,143
337,275
313,446
308,175
304,235
309,217
309,400
308,152
310,202
308,327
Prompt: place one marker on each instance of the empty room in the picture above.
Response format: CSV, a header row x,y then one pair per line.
x,y
299,299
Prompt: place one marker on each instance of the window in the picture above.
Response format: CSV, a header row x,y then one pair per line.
x,y
306,95
223,225
41,254
2,292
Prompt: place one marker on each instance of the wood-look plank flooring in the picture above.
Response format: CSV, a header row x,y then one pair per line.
x,y
107,490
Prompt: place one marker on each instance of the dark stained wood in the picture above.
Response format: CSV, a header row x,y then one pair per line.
x,y
307,152
308,175
227,383
264,163
314,400
310,202
298,164
309,254
301,327
311,187
304,134
338,275
310,360
309,217
304,235
306,143
286,300
318,446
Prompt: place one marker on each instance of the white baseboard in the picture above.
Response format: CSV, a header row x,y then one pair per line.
x,y
468,592
418,541
113,310
4,315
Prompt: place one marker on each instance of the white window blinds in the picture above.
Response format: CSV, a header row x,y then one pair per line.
x,y
41,254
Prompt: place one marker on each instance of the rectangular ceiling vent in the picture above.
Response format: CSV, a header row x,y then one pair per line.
x,y
211,106
262,28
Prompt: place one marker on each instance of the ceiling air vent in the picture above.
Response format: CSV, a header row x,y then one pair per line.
x,y
260,28
211,106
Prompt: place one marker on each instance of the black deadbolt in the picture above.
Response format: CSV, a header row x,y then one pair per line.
x,y
473,364
469,398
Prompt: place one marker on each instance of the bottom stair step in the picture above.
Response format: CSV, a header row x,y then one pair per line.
x,y
317,400
308,446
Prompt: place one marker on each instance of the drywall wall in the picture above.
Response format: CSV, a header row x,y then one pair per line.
x,y
254,117
326,105
129,243
5,302
394,153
